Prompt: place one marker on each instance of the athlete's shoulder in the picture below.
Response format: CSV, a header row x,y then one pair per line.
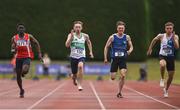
x,y
176,36
85,35
128,37
160,35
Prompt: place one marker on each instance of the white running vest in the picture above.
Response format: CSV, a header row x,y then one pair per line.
x,y
78,46
167,46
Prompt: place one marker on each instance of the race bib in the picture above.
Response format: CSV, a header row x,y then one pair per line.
x,y
21,43
78,51
167,50
119,54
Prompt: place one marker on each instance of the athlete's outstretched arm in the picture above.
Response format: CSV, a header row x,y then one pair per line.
x,y
176,40
89,46
130,45
108,43
69,39
37,45
13,46
153,42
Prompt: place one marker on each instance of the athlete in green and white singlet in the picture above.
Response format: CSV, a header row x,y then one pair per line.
x,y
76,41
78,46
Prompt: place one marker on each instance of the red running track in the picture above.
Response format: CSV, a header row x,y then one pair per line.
x,y
50,94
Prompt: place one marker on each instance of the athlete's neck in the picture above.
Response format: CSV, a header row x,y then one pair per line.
x,y
168,34
120,34
78,34
21,35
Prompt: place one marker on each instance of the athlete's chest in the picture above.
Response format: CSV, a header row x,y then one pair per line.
x,y
22,42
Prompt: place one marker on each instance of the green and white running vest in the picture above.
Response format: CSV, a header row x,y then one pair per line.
x,y
78,46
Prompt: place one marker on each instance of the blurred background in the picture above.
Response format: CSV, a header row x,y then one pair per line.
x,y
50,21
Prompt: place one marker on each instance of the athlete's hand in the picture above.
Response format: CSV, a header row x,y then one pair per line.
x,y
149,52
91,55
128,52
40,57
173,35
105,61
72,32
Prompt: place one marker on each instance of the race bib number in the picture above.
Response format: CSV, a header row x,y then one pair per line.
x,y
119,54
21,43
167,51
78,51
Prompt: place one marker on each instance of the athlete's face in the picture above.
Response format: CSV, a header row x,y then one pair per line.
x,y
21,29
120,29
77,27
169,29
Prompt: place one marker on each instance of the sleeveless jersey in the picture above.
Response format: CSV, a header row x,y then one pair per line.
x,y
167,46
78,46
119,46
23,46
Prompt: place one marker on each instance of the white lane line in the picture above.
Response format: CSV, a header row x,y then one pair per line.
x,y
43,98
147,96
96,94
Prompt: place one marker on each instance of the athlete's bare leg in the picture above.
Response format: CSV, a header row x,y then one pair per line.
x,y
122,80
162,67
19,82
162,71
170,78
80,74
113,75
25,69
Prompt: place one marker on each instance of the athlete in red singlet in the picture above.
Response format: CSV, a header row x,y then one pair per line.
x,y
21,46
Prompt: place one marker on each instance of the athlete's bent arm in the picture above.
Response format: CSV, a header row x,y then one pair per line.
x,y
130,45
13,46
153,42
38,48
176,41
89,46
69,39
108,43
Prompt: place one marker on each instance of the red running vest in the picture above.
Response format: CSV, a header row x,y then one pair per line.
x,y
23,46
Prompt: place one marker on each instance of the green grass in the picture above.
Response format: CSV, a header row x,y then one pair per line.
x,y
133,71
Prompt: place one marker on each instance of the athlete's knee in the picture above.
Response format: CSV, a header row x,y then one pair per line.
x,y
123,73
171,75
80,66
25,69
162,63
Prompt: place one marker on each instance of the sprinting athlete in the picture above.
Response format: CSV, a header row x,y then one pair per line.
x,y
21,46
121,46
76,41
169,41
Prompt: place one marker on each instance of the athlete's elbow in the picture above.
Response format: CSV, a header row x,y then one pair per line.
x,y
67,45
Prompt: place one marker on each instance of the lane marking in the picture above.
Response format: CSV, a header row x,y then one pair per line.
x,y
97,97
47,95
147,96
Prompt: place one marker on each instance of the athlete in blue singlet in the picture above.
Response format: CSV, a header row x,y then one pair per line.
x,y
119,43
169,42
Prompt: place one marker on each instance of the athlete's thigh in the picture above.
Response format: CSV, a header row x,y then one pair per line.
x,y
81,62
26,64
74,65
162,61
122,63
170,66
114,65
19,65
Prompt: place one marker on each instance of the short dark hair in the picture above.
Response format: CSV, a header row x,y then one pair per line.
x,y
120,23
169,24
20,24
78,22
